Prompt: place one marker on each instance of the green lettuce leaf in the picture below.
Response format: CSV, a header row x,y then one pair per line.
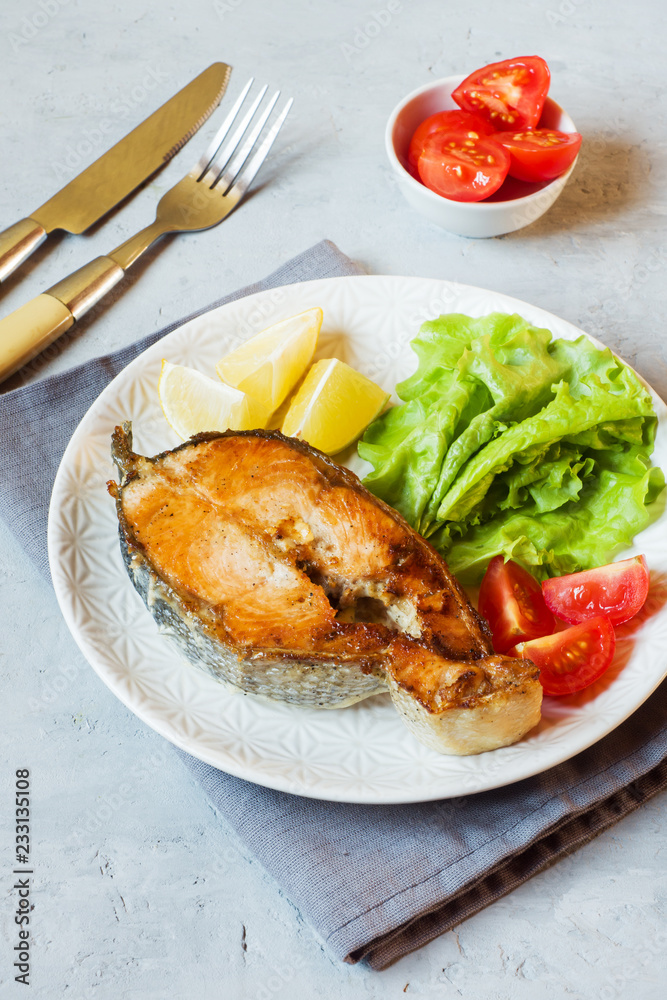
x,y
579,535
510,441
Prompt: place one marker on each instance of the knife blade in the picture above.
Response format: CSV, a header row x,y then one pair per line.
x,y
116,173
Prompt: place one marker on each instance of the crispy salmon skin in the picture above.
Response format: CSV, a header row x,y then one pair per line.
x,y
275,569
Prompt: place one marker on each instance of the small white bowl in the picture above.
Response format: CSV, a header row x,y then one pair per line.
x,y
514,206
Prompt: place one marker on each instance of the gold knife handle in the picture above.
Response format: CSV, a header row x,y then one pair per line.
x,y
17,243
28,330
80,290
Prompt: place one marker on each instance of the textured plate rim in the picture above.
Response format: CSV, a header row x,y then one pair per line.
x,y
283,782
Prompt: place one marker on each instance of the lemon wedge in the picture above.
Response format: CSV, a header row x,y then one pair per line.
x,y
269,365
333,406
193,403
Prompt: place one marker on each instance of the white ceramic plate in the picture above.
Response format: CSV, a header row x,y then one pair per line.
x,y
358,754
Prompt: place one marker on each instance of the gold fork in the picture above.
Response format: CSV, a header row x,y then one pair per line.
x,y
203,198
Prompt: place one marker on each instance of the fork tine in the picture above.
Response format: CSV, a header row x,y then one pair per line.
x,y
222,157
213,147
245,179
243,153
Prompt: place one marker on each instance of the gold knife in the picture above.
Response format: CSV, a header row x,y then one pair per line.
x,y
118,171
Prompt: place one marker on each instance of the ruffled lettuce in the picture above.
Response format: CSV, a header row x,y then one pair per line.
x,y
510,441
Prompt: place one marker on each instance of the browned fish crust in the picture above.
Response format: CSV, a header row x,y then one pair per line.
x,y
274,568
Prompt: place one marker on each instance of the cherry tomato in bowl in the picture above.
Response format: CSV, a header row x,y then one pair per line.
x,y
618,591
508,94
570,660
445,121
540,154
514,205
461,168
511,601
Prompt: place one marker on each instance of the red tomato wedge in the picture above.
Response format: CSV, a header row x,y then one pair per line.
x,y
508,94
618,591
539,154
511,601
571,660
445,121
461,168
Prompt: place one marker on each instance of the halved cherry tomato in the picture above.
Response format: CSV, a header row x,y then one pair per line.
x,y
461,168
617,591
511,601
508,94
539,154
445,121
571,660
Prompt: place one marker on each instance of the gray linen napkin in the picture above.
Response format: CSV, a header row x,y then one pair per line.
x,y
375,882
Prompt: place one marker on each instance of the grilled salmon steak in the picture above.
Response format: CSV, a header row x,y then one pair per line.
x,y
275,569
